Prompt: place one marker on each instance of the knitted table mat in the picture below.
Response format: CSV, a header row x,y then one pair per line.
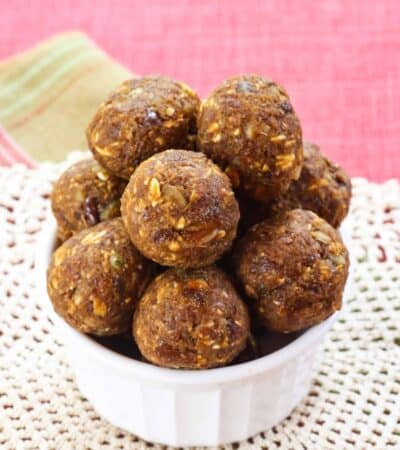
x,y
354,401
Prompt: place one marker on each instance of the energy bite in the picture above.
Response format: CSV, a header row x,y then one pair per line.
x,y
249,128
180,210
85,195
141,117
96,277
323,187
191,320
294,268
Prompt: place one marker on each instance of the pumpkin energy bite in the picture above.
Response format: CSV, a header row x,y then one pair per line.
x,y
294,268
180,210
96,277
249,128
85,195
323,187
141,117
191,320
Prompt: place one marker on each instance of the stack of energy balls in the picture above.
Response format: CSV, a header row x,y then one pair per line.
x,y
197,222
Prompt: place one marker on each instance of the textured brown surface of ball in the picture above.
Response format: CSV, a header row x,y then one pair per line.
x,y
323,187
142,117
96,277
191,320
83,196
251,213
180,210
249,128
294,268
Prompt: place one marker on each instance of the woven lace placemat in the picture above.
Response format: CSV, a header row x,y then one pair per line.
x,y
354,401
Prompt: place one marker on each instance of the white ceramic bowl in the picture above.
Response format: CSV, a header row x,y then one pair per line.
x,y
182,407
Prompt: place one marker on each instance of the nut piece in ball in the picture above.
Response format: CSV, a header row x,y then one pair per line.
x,y
180,210
294,268
96,277
323,187
83,196
249,128
191,320
142,117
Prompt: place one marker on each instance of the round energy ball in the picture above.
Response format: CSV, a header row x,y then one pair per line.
x,y
323,187
191,320
180,210
96,277
142,117
249,128
85,195
294,268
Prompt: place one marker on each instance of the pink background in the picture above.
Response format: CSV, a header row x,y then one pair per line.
x,y
339,60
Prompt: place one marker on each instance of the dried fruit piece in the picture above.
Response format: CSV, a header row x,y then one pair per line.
x,y
91,211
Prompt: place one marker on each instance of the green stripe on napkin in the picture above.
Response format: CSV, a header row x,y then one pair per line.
x,y
49,94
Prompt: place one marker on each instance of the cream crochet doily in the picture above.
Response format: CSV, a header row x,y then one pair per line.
x,y
354,401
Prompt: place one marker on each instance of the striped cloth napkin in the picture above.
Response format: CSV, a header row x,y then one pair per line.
x,y
48,95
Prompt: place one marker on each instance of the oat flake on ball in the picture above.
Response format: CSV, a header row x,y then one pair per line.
x,y
294,268
248,127
96,277
180,210
141,117
191,320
